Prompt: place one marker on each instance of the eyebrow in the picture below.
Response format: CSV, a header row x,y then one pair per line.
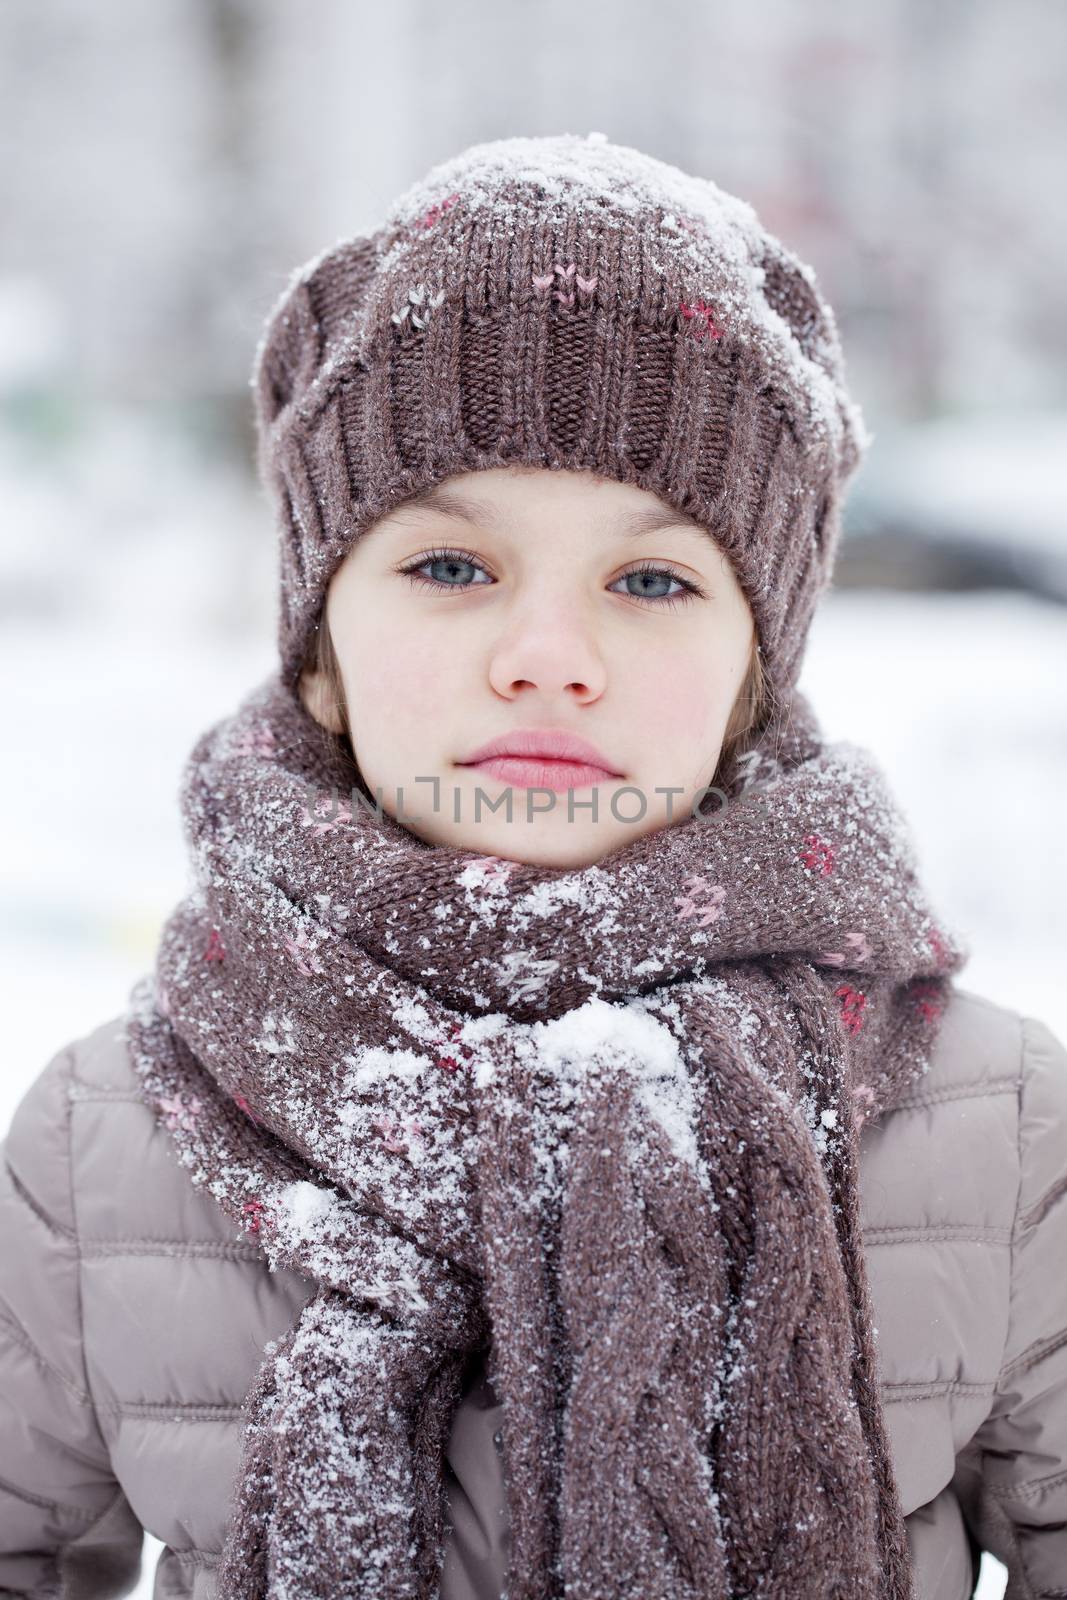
x,y
634,524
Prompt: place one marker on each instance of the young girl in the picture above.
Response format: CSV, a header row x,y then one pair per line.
x,y
551,1153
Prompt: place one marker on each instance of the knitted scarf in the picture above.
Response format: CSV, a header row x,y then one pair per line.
x,y
600,1123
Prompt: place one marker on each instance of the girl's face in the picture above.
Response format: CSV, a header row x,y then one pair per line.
x,y
529,601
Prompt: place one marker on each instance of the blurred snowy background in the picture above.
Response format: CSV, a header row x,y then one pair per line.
x,y
163,169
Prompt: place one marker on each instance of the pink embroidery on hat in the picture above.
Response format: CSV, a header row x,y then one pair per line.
x,y
296,947
437,211
179,1115
942,953
859,952
565,296
819,854
419,306
703,318
704,900
568,272
215,950
852,1006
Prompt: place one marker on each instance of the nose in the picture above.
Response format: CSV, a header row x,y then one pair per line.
x,y
551,651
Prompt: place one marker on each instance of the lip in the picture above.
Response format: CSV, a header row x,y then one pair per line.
x,y
550,751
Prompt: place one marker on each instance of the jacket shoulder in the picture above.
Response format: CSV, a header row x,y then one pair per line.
x,y
1014,1060
984,1048
1013,1476
978,1049
125,1179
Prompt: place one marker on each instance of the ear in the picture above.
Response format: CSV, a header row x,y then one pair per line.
x,y
317,699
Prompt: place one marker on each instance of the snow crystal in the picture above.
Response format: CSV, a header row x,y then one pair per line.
x,y
302,1207
649,1050
374,1065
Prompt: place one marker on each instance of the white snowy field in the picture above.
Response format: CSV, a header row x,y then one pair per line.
x,y
139,609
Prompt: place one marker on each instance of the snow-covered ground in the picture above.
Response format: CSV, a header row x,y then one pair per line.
x,y
137,589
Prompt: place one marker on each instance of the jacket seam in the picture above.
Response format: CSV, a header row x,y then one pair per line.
x,y
75,1513
103,1092
934,1389
1013,1243
1038,1351
963,1232
1032,1486
224,1249
1033,1214
200,1558
33,1204
167,1410
978,1089
21,1336
69,1113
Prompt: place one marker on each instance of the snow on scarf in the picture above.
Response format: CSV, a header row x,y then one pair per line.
x,y
600,1122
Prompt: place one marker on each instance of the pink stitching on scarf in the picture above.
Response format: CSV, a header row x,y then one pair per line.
x,y
179,1115
389,1128
928,998
255,1210
711,910
259,741
852,1004
862,1092
243,1105
215,949
300,943
324,824
497,868
450,1063
819,854
703,317
861,952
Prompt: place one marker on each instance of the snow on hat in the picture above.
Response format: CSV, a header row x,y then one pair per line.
x,y
562,302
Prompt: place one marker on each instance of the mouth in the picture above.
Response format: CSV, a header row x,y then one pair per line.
x,y
542,759
527,772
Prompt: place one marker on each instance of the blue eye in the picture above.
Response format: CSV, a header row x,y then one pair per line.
x,y
449,561
453,563
658,575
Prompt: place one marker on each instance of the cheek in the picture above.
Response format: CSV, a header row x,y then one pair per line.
x,y
399,683
681,698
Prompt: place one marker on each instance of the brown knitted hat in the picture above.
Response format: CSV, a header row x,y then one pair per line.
x,y
567,303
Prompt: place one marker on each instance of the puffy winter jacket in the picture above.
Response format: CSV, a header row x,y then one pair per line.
x,y
133,1316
